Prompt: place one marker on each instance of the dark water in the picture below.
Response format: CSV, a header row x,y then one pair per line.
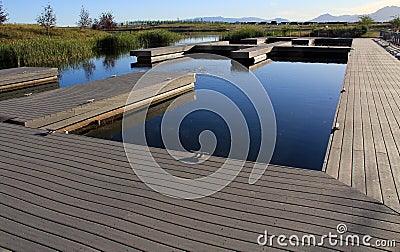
x,y
304,97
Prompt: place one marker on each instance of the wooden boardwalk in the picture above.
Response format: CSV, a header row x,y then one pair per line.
x,y
364,153
69,192
17,78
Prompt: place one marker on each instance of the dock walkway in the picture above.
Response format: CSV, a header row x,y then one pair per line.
x,y
364,152
69,192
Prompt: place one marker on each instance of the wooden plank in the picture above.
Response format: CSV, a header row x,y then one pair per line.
x,y
358,170
13,242
373,187
32,233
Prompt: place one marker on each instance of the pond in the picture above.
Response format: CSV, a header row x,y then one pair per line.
x,y
304,97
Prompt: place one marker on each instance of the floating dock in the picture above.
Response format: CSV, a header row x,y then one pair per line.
x,y
252,50
72,108
18,78
150,56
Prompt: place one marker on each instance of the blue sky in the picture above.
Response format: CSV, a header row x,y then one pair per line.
x,y
25,11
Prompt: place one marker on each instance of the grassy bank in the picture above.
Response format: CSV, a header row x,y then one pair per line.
x,y
246,32
29,45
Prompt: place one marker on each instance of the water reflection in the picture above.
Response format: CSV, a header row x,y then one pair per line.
x,y
109,63
88,67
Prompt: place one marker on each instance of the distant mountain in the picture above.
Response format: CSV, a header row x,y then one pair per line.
x,y
235,20
383,15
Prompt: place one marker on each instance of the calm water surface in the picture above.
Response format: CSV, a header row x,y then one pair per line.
x,y
304,97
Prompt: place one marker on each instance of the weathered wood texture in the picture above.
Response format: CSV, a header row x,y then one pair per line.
x,y
16,78
364,153
69,192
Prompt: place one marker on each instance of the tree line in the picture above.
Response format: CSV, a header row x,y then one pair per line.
x,y
106,20
48,18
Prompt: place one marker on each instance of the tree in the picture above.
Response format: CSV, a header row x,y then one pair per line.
x,y
366,21
3,14
47,18
85,19
395,22
106,20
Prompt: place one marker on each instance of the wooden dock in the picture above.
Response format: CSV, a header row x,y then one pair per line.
x,y
69,192
153,55
63,192
256,54
78,106
364,152
17,78
250,51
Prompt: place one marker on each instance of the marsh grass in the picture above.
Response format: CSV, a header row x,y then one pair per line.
x,y
29,45
44,52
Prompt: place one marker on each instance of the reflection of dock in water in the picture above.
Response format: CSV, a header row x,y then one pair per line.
x,y
26,91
